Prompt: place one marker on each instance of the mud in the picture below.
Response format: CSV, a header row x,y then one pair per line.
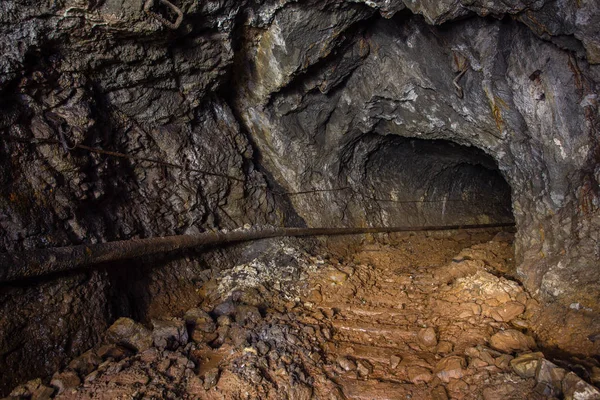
x,y
393,317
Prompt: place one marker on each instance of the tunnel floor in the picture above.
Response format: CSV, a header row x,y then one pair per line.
x,y
400,316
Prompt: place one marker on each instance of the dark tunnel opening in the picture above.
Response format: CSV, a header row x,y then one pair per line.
x,y
420,182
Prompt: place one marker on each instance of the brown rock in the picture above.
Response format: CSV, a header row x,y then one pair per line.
x,y
444,347
130,378
64,381
346,364
149,356
200,320
211,378
395,361
169,334
113,351
526,365
595,376
418,374
130,334
511,340
85,363
439,393
337,276
575,388
503,361
33,390
507,311
42,393
363,368
450,368
245,314
478,363
427,337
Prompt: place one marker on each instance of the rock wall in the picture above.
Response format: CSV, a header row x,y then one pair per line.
x,y
333,98
526,97
76,76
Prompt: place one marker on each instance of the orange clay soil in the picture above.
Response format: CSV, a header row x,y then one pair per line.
x,y
402,317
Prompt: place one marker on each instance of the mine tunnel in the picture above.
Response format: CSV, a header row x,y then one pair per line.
x,y
299,200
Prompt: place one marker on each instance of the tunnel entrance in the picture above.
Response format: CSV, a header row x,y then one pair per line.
x,y
429,182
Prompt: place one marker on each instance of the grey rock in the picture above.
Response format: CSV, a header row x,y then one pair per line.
x,y
169,334
575,388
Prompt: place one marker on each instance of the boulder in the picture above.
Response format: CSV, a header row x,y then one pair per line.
x,y
169,334
450,368
130,334
511,340
526,365
575,388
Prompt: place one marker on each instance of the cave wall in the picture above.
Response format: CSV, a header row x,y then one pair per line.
x,y
106,76
298,97
529,101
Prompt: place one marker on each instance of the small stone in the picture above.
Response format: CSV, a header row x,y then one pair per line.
x,y
450,368
418,374
503,361
150,355
427,337
551,376
42,393
224,320
363,368
511,340
508,311
245,314
439,393
595,376
211,378
225,308
337,276
163,366
130,334
262,348
65,380
169,334
346,364
575,388
130,377
395,361
113,351
526,365
478,363
29,389
85,363
444,347
198,319
238,336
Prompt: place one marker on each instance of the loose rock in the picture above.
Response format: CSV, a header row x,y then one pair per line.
x,y
129,333
511,340
427,337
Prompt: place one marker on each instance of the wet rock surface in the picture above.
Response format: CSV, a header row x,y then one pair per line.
x,y
394,328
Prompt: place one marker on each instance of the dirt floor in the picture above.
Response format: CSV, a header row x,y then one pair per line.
x,y
401,317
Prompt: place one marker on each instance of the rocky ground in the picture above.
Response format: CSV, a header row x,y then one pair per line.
x,y
400,317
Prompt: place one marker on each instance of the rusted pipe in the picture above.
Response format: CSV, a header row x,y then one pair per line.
x,y
16,266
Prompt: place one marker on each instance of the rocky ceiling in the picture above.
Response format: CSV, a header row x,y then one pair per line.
x,y
326,113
